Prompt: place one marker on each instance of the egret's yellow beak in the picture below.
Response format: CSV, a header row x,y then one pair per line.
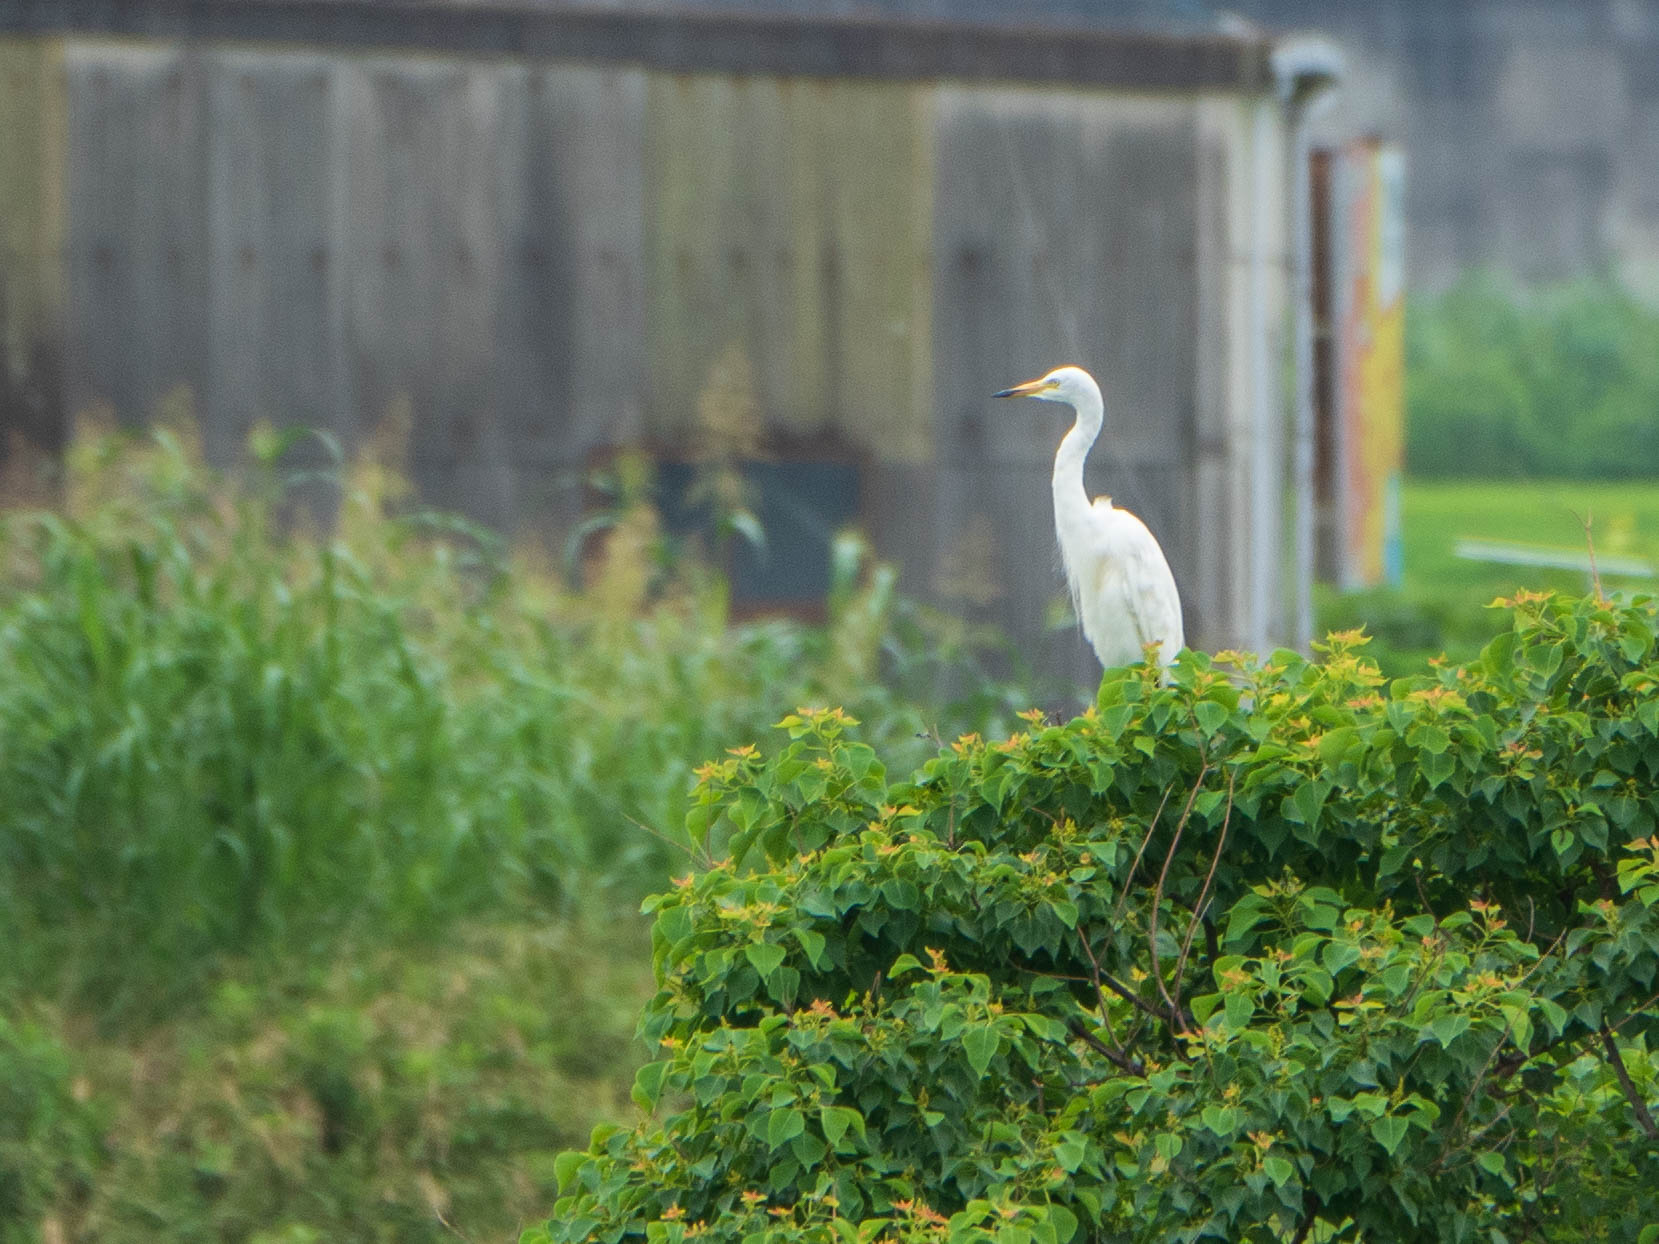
x,y
1031,388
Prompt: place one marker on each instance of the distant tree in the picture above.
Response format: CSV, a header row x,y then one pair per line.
x,y
1275,953
1562,382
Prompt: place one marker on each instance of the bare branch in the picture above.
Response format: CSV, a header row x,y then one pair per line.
x,y
1310,1212
1643,1119
1121,1061
1504,1069
1099,999
1123,895
1104,979
1634,1013
1590,548
1158,893
1203,894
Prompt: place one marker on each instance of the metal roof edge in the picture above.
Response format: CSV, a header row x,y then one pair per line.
x,y
690,41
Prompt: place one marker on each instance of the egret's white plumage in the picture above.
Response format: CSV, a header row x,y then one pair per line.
x,y
1121,585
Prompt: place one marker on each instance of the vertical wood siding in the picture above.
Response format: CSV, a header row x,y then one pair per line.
x,y
539,261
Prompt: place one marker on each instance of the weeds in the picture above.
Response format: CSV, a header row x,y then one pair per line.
x,y
321,845
225,734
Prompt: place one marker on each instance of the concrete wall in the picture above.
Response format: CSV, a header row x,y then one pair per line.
x,y
1531,127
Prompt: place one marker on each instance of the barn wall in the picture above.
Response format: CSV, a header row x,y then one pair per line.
x,y
1064,233
31,242
803,246
537,261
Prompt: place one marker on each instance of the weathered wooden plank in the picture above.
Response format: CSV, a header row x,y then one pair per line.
x,y
275,207
1213,586
424,254
1065,231
797,250
32,111
571,312
136,252
705,229
1061,222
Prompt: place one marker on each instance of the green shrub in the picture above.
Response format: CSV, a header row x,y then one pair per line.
x,y
1558,383
1408,629
1278,952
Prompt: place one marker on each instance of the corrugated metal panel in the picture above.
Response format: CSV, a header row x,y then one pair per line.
x,y
31,239
1065,232
276,202
798,249
543,260
31,190
423,249
570,347
137,253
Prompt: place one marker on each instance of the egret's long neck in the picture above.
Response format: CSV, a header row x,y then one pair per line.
x,y
1071,499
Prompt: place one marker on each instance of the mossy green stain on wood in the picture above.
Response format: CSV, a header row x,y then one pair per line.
x,y
803,251
32,115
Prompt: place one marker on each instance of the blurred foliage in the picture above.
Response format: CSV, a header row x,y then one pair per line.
x,y
386,1097
319,814
1277,952
1506,383
50,1137
1442,606
221,732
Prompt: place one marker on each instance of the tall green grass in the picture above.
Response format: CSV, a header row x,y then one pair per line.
x,y
225,732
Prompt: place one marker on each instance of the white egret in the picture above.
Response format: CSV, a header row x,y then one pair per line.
x,y
1120,582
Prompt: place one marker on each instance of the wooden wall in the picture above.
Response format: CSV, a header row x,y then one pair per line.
x,y
540,260
32,106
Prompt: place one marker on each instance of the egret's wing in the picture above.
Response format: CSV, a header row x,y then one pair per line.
x,y
1153,602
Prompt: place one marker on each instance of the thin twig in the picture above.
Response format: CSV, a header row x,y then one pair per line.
x,y
1468,1097
439,1215
1634,1013
1422,894
1158,893
1123,895
708,856
1492,1055
1121,1061
1203,893
1643,1119
1099,993
1498,1118
1105,978
1590,548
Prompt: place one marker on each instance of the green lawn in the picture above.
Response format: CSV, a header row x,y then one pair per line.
x,y
1624,523
1442,605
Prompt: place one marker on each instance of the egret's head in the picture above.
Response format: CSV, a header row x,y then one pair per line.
x,y
1064,384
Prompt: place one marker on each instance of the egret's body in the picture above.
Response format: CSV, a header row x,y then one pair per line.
x,y
1120,582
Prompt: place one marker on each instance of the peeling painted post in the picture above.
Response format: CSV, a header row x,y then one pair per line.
x,y
1307,71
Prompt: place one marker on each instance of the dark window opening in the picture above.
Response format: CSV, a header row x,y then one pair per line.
x,y
800,505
